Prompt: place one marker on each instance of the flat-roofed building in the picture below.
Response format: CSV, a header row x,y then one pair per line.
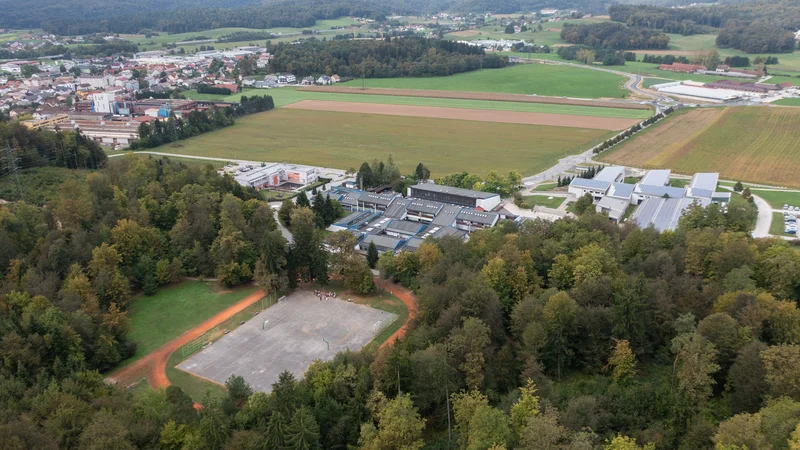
x,y
582,186
470,220
455,196
656,178
664,213
423,210
611,174
403,228
447,216
382,243
614,207
397,210
376,202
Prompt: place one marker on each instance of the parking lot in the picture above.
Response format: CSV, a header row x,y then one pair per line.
x,y
790,214
288,336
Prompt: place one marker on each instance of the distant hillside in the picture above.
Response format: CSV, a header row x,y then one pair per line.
x,y
71,17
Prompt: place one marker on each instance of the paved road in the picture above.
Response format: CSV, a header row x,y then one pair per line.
x,y
764,218
284,231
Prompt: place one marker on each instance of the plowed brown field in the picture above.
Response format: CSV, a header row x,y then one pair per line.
x,y
755,144
522,98
433,112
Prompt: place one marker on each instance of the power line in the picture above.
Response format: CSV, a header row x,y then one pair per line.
x,y
11,162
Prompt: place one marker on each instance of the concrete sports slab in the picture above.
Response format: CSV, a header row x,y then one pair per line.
x,y
288,336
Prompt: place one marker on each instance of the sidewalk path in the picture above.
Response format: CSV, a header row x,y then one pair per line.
x,y
411,303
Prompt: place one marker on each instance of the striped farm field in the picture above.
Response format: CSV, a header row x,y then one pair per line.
x,y
755,144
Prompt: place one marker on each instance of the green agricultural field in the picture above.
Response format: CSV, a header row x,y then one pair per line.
x,y
753,144
543,200
345,140
157,319
777,199
286,96
787,102
538,79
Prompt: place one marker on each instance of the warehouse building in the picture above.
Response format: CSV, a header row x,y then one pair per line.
x,y
456,196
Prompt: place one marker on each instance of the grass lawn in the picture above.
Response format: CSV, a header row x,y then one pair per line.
x,y
777,199
787,102
345,140
539,79
679,182
157,319
753,144
543,200
288,95
546,187
776,228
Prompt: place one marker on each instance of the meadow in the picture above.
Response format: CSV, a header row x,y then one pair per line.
x,y
755,144
531,79
345,140
157,319
287,95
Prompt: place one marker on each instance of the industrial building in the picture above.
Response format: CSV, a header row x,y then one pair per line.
x,y
700,92
289,176
456,196
657,202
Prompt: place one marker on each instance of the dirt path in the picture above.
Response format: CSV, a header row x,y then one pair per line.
x,y
154,365
480,115
411,303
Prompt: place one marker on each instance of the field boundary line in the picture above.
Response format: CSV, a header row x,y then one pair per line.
x,y
467,95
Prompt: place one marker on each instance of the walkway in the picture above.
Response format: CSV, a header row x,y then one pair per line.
x,y
411,303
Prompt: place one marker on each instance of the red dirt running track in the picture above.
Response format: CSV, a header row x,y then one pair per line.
x,y
411,303
154,365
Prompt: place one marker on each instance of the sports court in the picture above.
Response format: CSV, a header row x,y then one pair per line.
x,y
288,336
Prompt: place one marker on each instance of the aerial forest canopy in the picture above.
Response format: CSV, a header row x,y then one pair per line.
x,y
760,27
614,36
571,334
400,57
72,17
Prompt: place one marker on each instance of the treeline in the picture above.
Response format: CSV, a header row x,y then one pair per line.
x,y
614,36
211,89
756,38
174,128
109,48
492,182
588,55
39,148
191,17
239,36
765,26
47,49
400,57
665,59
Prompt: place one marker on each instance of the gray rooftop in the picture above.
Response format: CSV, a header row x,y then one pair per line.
x,y
610,174
354,219
655,178
615,207
404,226
382,242
377,199
413,244
425,206
482,217
621,190
706,181
447,216
663,213
586,183
430,187
397,209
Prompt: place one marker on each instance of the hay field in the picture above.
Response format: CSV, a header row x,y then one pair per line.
x,y
755,144
345,140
